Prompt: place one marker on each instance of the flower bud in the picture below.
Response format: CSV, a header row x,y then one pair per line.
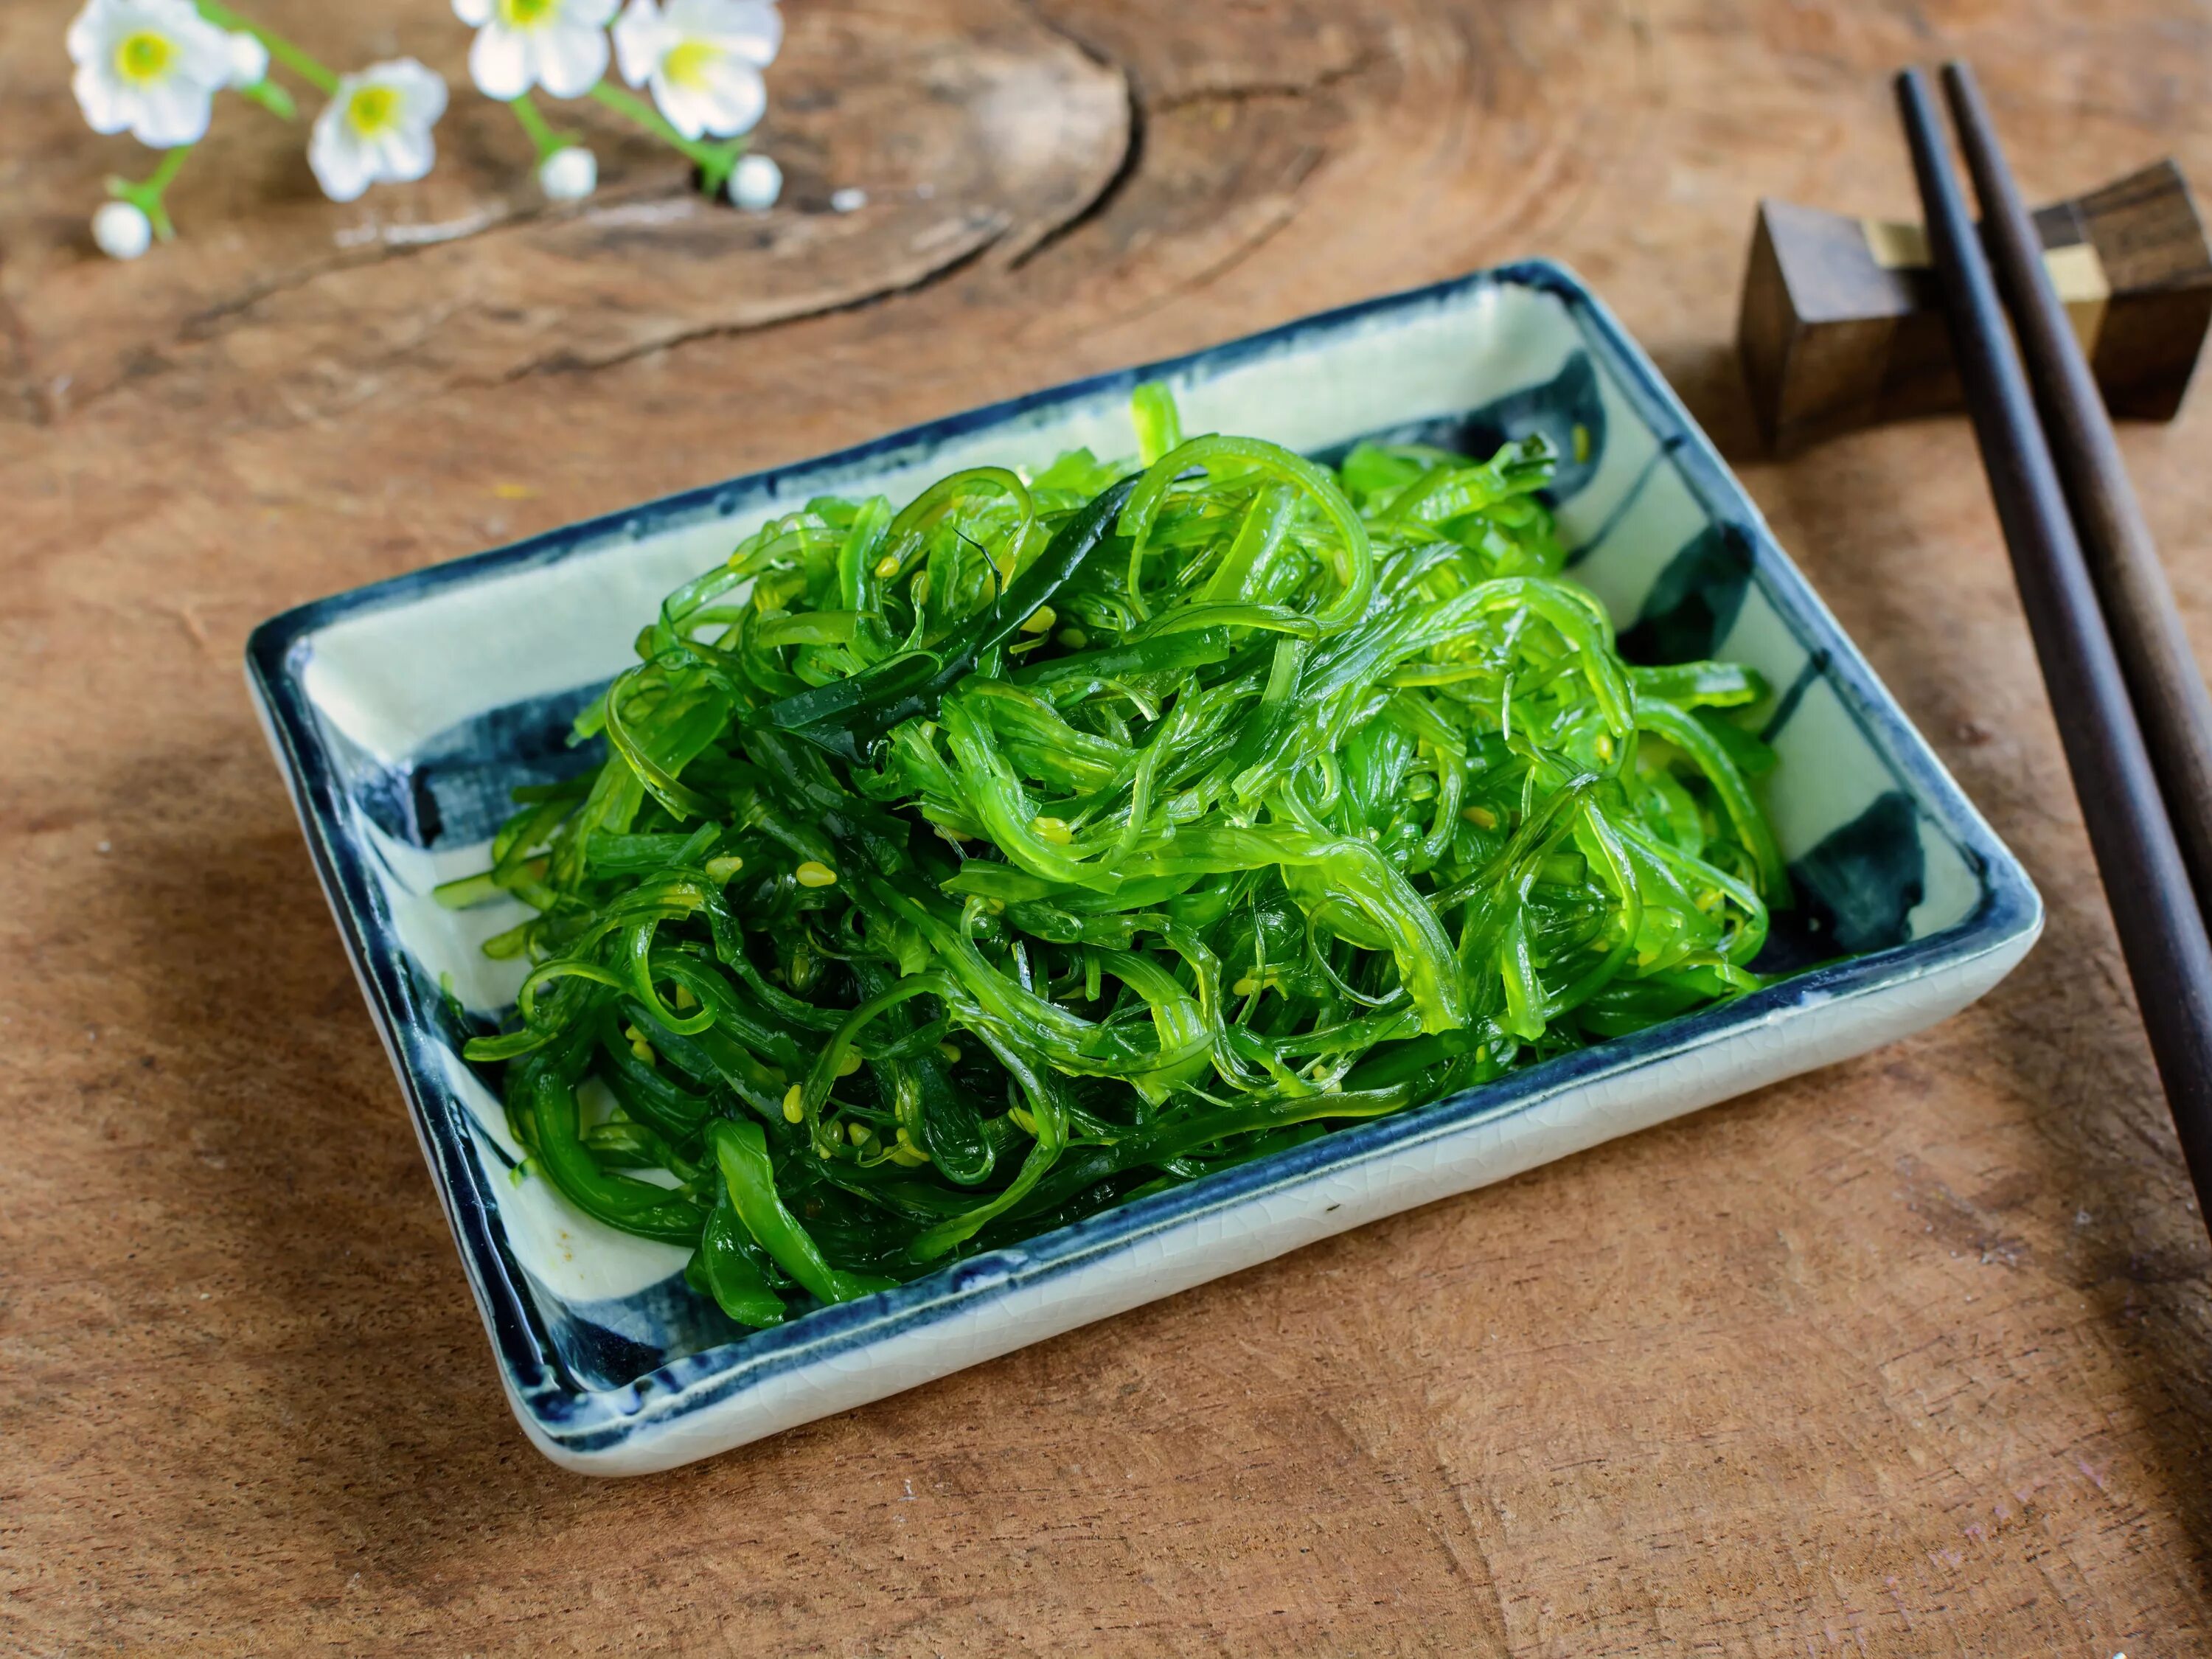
x,y
568,174
755,182
249,59
123,230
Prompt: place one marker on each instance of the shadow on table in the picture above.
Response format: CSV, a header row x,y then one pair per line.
x,y
1708,377
349,1385
1916,577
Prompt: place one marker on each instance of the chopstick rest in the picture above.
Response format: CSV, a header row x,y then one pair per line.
x,y
1841,325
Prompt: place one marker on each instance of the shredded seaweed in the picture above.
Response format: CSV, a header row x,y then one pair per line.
x,y
958,871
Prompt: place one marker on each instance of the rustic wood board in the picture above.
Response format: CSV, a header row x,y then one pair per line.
x,y
1909,1356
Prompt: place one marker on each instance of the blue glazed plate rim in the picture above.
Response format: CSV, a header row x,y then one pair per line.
x,y
587,1420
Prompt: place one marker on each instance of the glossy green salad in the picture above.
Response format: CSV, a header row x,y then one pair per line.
x,y
959,868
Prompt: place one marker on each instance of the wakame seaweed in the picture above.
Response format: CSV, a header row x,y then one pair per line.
x,y
958,870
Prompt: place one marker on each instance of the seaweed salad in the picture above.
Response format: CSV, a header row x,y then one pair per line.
x,y
959,868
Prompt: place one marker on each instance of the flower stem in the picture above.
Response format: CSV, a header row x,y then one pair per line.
x,y
146,195
714,162
273,98
307,69
549,143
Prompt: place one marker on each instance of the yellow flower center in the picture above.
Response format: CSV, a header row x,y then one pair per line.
x,y
373,110
144,57
526,14
691,65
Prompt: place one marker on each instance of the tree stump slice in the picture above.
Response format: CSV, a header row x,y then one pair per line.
x,y
973,130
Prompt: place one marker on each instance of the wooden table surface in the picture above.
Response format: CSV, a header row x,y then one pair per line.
x,y
1907,1357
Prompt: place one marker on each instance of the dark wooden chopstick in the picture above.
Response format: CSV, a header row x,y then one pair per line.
x,y
2161,927
2163,682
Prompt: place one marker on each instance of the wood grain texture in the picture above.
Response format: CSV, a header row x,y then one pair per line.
x,y
2148,238
1908,1357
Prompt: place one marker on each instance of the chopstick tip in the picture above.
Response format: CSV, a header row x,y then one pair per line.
x,y
1910,85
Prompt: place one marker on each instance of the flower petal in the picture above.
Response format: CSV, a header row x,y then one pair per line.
x,y
203,50
175,112
341,166
404,154
570,61
475,13
686,111
106,105
733,99
423,87
640,42
499,62
170,15
593,14
753,30
91,31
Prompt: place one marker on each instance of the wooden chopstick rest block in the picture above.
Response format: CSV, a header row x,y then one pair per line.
x,y
1842,326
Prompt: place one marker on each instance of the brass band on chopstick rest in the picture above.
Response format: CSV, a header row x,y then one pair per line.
x,y
2076,268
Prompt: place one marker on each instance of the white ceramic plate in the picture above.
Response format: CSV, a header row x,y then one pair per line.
x,y
403,713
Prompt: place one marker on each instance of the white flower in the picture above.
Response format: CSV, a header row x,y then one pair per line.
x,y
558,44
123,231
376,129
151,66
755,182
568,174
703,59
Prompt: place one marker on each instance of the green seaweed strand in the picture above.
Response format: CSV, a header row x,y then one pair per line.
x,y
958,870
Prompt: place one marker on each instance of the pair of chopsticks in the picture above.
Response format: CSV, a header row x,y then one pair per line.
x,y
2131,706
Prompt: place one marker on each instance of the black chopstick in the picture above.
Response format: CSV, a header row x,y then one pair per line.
x,y
2161,927
2163,682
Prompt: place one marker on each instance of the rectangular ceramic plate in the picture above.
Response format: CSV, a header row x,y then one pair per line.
x,y
403,713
